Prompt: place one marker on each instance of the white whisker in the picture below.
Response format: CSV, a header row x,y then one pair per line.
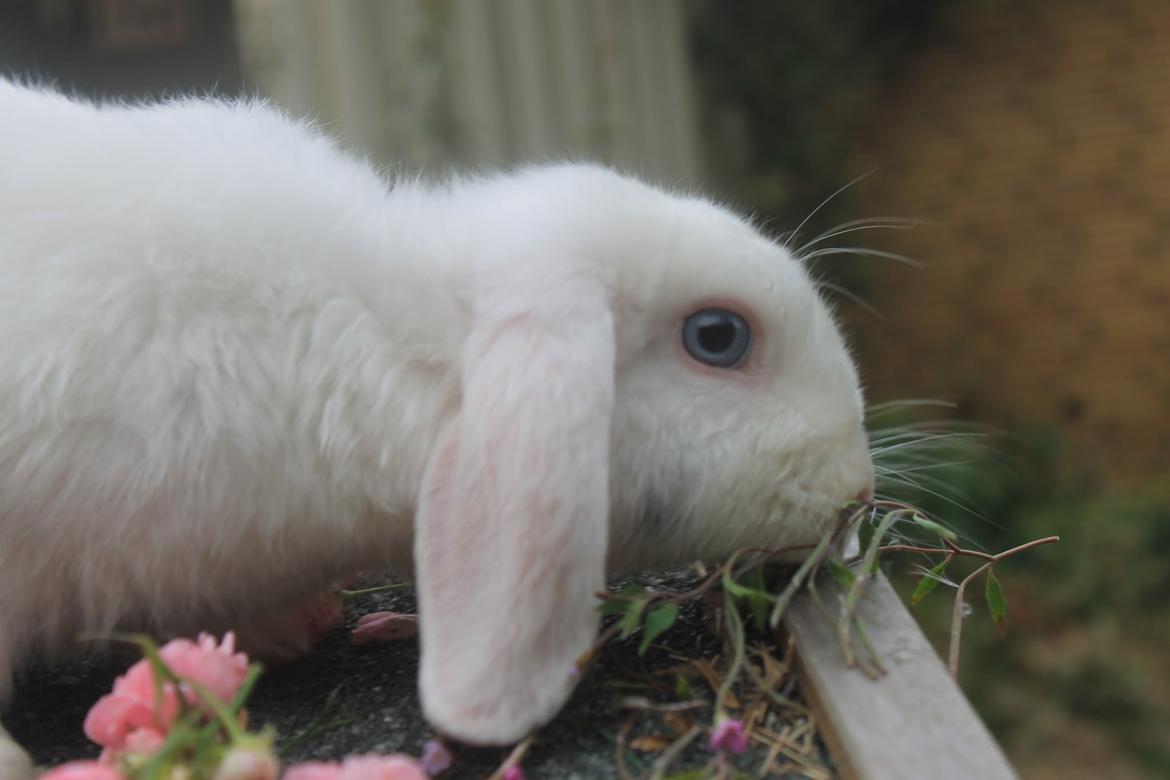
x,y
825,202
845,293
858,250
826,236
910,402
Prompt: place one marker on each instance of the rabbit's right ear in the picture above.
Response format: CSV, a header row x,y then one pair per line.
x,y
511,531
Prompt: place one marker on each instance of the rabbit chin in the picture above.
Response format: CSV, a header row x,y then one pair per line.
x,y
793,503
657,535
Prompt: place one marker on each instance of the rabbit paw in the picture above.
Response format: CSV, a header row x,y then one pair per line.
x,y
14,762
290,633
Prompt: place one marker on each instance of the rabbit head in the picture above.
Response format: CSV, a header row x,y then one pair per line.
x,y
647,380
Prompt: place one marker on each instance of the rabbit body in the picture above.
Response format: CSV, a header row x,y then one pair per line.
x,y
236,363
201,410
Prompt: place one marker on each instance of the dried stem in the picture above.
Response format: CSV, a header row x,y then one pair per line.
x,y
849,608
960,592
514,758
957,620
620,749
735,630
671,754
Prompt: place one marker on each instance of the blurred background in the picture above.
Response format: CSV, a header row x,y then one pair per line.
x,y
1017,151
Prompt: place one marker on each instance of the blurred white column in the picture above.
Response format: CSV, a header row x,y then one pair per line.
x,y
474,83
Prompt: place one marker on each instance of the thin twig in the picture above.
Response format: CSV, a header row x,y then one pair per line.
x,y
735,629
853,596
641,703
878,669
776,698
514,758
620,749
671,754
810,563
957,609
894,548
957,620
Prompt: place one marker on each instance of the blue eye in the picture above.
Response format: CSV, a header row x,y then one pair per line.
x,y
717,337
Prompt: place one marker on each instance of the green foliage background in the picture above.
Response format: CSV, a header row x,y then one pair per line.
x,y
783,84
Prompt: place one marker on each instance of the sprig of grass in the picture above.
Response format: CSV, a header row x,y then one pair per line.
x,y
875,524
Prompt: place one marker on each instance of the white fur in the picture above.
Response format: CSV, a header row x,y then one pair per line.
x,y
234,362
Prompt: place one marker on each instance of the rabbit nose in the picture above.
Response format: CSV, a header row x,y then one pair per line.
x,y
866,495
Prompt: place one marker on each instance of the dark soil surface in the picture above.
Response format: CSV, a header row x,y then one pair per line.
x,y
343,699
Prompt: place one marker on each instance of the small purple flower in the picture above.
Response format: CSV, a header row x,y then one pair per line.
x,y
436,759
728,734
514,773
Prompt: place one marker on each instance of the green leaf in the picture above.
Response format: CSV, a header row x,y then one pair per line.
x,y
682,688
937,529
996,602
928,583
615,606
657,621
612,606
702,773
245,690
755,580
865,534
757,597
734,588
632,618
760,599
759,589
845,576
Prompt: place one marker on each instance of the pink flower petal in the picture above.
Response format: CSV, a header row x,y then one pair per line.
x,y
216,667
383,627
138,685
133,707
83,770
313,770
729,734
395,767
514,773
114,716
144,742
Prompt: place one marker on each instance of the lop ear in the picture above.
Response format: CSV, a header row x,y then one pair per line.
x,y
511,531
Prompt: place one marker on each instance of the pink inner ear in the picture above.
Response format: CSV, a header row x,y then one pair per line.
x,y
511,528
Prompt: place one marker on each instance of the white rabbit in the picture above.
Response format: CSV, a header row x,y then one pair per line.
x,y
235,364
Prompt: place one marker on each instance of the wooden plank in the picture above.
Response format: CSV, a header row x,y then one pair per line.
x,y
912,723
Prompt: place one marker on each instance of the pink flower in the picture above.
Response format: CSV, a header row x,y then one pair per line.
x,y
140,742
383,627
132,705
247,764
83,770
313,770
436,759
729,734
396,767
215,666
144,742
115,715
514,773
